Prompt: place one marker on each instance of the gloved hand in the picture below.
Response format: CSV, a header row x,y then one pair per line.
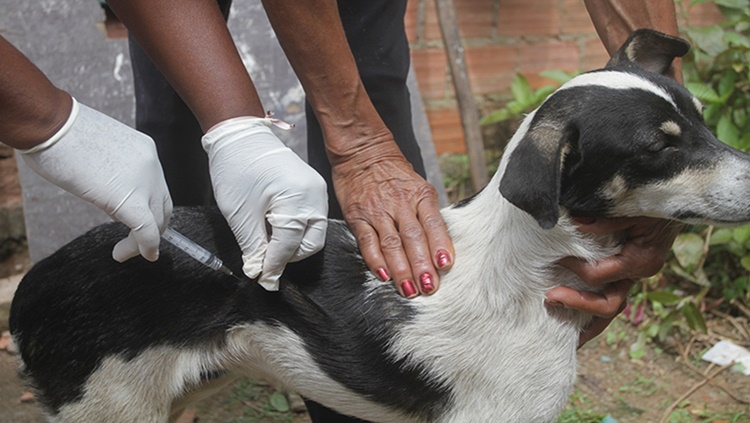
x,y
113,166
256,178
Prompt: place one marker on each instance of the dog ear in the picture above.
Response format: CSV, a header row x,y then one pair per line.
x,y
531,180
650,50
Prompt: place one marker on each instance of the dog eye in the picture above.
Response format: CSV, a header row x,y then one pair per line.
x,y
661,145
657,146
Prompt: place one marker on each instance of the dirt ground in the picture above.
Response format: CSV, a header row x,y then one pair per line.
x,y
610,383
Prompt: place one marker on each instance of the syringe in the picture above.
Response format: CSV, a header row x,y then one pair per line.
x,y
195,251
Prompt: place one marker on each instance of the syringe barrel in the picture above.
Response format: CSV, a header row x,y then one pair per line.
x,y
192,249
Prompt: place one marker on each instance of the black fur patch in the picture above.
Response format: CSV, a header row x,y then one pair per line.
x,y
79,306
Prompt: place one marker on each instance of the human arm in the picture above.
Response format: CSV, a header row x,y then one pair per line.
x,y
392,211
73,146
256,179
614,20
32,108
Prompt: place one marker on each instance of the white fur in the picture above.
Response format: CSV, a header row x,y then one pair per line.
x,y
618,81
487,334
475,335
504,266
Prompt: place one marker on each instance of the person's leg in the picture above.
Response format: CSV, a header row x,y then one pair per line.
x,y
161,113
376,34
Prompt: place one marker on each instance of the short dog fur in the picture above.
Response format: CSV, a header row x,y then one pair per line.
x,y
135,342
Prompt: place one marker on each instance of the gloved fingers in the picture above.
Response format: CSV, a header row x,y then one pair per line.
x,y
285,240
125,249
144,230
162,219
253,262
253,241
313,239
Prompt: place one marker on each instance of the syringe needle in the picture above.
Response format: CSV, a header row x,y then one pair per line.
x,y
195,251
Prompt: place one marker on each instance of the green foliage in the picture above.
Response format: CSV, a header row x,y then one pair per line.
x,y
706,262
525,98
578,412
717,72
271,405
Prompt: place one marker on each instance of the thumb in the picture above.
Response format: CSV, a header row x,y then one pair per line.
x,y
286,238
143,239
253,247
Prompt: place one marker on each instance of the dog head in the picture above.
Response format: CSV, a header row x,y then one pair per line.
x,y
626,140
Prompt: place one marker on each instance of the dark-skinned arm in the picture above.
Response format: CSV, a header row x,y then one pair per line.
x,y
72,146
190,44
32,109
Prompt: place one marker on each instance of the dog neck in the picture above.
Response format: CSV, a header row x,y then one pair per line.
x,y
503,253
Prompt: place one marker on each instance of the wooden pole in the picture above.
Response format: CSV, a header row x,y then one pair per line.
x,y
467,107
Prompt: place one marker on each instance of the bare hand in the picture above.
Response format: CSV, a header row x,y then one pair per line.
x,y
647,243
395,217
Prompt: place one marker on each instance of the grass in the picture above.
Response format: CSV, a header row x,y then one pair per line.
x,y
260,404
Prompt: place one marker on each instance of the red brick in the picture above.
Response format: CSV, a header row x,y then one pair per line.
x,y
431,23
576,19
491,68
594,55
527,17
430,67
474,18
548,55
447,134
411,20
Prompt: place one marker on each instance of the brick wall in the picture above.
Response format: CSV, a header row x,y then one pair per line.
x,y
502,38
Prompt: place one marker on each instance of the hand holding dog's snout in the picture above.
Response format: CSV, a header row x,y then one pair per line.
x,y
395,217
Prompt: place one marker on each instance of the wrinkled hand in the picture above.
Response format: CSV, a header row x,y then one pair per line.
x,y
257,179
648,241
395,217
114,167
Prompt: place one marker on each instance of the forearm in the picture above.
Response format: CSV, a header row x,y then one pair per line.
x,y
32,109
614,20
191,45
313,39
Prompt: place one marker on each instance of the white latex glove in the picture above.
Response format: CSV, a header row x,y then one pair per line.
x,y
257,179
113,166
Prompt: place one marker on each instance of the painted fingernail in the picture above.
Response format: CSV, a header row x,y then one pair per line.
x,y
408,288
443,259
383,274
556,304
425,281
584,220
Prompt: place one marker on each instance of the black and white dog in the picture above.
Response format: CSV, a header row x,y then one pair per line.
x,y
135,342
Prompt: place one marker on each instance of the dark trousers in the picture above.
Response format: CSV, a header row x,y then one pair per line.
x,y
375,31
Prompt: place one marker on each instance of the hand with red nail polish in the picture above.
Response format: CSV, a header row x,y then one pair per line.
x,y
395,217
647,243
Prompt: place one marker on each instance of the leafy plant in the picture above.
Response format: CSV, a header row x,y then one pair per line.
x,y
717,71
525,98
261,403
715,261
708,266
578,412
